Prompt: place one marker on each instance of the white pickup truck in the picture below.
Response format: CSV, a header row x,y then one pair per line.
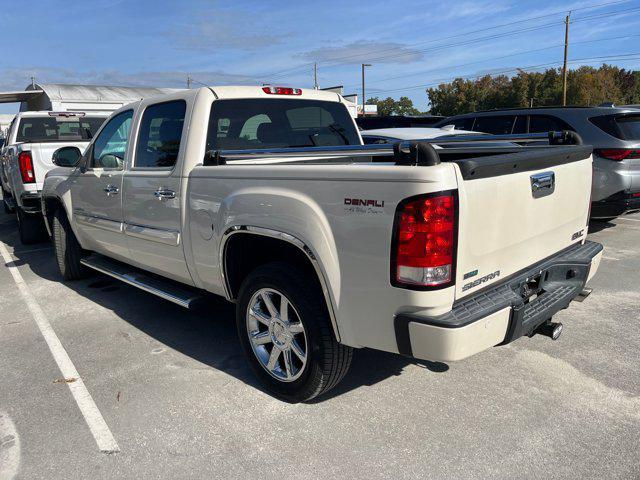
x,y
267,197
26,158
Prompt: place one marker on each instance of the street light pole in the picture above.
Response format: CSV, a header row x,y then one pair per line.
x,y
364,98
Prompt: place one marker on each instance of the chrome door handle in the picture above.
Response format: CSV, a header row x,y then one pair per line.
x,y
111,190
164,193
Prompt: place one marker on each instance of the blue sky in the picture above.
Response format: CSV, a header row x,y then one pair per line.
x,y
411,44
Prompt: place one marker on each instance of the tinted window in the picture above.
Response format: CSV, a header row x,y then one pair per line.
x,y
497,125
546,123
109,148
160,133
521,124
56,129
624,127
279,123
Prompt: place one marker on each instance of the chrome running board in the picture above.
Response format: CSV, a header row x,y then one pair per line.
x,y
161,287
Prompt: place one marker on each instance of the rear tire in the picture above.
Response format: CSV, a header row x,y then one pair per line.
x,y
308,361
31,227
67,249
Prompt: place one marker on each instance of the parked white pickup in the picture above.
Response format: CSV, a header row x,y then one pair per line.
x,y
267,197
26,158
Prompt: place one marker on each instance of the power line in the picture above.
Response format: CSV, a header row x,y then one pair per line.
x,y
624,56
522,52
586,7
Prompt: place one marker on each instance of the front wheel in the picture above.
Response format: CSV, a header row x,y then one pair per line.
x,y
286,334
67,249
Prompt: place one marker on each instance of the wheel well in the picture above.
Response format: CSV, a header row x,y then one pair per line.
x,y
244,252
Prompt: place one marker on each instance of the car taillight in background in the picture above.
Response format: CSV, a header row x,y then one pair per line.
x,y
424,243
282,91
26,167
617,154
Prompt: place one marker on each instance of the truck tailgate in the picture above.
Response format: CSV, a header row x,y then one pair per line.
x,y
516,211
42,153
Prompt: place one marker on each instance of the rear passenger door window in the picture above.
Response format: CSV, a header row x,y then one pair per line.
x,y
495,125
159,135
546,123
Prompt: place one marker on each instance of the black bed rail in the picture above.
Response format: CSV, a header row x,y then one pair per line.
x,y
413,152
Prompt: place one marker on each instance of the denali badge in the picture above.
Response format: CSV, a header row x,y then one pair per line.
x,y
361,202
481,280
363,206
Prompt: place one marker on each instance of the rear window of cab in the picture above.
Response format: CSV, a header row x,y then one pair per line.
x,y
245,124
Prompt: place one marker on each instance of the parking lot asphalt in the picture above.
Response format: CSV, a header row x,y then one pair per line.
x,y
176,395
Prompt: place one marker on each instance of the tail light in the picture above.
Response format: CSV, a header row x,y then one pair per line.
x,y
617,154
282,91
424,242
26,167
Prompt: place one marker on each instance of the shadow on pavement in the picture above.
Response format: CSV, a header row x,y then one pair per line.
x,y
207,334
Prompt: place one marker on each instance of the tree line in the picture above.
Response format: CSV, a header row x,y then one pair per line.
x,y
586,86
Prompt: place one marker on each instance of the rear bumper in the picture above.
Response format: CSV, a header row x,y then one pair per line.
x,y
30,202
503,312
615,205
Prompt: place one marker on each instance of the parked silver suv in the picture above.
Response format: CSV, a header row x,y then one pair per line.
x,y
613,131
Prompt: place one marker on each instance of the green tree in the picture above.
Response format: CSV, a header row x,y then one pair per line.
x,y
389,106
585,86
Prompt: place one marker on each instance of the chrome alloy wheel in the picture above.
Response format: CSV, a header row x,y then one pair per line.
x,y
277,335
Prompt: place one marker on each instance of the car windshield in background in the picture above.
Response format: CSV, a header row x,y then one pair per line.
x,y
624,127
278,123
56,129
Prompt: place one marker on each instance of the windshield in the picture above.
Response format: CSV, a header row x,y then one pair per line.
x,y
56,129
278,123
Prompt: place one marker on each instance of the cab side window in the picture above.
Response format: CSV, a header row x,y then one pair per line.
x,y
111,144
495,125
160,133
546,123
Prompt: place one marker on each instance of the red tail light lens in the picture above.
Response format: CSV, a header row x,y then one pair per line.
x,y
617,154
424,244
25,163
282,91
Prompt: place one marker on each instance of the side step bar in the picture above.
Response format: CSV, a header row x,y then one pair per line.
x,y
161,287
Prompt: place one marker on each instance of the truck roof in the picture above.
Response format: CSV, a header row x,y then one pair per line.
x,y
224,92
47,113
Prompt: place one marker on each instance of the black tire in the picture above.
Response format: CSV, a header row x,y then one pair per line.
x,y
31,227
327,360
67,249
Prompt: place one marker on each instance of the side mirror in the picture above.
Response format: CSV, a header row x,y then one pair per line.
x,y
66,156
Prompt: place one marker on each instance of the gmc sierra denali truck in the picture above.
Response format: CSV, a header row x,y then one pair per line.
x,y
26,158
267,197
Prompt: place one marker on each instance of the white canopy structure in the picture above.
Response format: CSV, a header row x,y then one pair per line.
x,y
85,98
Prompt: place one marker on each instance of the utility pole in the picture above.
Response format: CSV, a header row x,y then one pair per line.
x,y
188,81
364,98
566,54
33,82
315,75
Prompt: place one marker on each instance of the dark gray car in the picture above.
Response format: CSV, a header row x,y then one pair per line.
x,y
614,133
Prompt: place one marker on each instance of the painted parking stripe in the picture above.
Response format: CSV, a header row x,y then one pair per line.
x,y
93,417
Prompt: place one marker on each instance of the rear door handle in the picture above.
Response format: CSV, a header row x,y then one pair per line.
x,y
111,190
164,193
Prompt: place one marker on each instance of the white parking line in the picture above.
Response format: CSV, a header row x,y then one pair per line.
x,y
628,219
93,417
